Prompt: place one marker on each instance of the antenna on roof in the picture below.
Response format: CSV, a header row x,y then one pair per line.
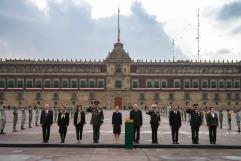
x,y
198,34
118,38
173,49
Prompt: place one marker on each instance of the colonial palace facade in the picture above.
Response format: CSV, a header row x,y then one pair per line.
x,y
118,80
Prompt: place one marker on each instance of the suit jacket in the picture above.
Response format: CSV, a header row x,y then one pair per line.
x,y
82,121
212,121
46,119
175,119
63,122
196,117
117,118
136,116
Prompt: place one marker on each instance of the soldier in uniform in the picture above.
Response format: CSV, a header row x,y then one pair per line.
x,y
36,116
23,118
155,121
220,116
30,116
97,119
2,119
195,122
237,116
15,118
229,116
136,116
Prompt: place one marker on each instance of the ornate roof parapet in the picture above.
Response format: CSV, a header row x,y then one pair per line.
x,y
118,54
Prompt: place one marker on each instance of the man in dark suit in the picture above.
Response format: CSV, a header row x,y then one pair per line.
x,y
46,121
175,123
195,122
136,116
212,122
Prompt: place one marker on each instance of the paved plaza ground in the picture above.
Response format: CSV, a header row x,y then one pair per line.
x,y
34,135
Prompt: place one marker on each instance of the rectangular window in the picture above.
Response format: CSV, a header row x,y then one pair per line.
x,y
229,84
236,84
204,96
171,96
216,96
74,96
204,84
74,84
20,84
142,96
38,96
177,84
118,84
56,84
2,84
83,83
236,96
2,96
229,96
65,84
10,83
19,95
156,84
164,84
213,84
29,84
47,84
149,84
135,84
91,96
55,96
195,84
92,84
38,84
186,84
220,84
100,83
156,96
186,96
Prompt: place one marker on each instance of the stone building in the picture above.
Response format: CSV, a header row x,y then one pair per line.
x,y
118,80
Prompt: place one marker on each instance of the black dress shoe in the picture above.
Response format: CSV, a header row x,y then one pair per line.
x,y
177,142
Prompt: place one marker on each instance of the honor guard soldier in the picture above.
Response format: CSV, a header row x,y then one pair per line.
x,y
195,122
36,115
30,116
220,116
153,111
229,117
2,119
97,119
23,118
237,117
15,118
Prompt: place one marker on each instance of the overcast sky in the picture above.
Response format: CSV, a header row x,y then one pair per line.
x,y
88,28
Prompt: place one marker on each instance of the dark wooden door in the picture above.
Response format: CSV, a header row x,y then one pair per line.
x,y
118,102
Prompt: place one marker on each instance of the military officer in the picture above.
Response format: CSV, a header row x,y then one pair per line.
x,y
23,118
15,118
2,119
229,116
195,122
220,116
155,121
30,116
97,120
36,116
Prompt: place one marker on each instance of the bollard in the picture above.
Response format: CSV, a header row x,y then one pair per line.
x,y
128,134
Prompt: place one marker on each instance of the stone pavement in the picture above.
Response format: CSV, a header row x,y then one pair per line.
x,y
34,135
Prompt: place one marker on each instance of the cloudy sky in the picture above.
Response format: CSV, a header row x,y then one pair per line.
x,y
88,28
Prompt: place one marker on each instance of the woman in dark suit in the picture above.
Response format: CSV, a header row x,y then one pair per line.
x,y
79,121
63,123
116,123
